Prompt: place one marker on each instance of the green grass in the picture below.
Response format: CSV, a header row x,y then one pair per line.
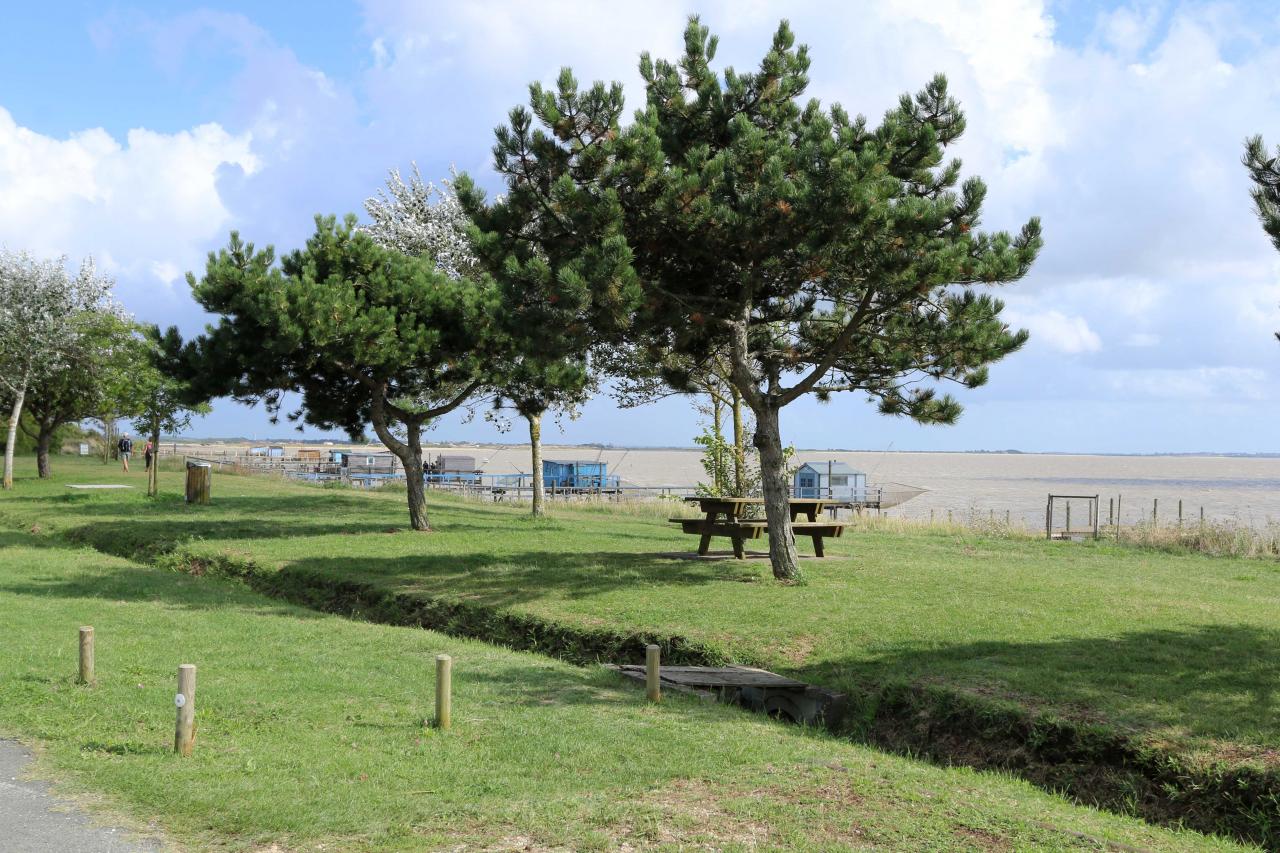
x,y
311,736
1179,649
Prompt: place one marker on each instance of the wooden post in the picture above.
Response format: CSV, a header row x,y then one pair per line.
x,y
653,673
1179,512
86,655
1111,511
1155,510
1007,517
184,735
1068,518
444,691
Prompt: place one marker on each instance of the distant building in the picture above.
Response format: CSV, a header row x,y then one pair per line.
x,y
455,464
559,474
831,479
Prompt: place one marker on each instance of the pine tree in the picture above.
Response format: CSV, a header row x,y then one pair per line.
x,y
1265,173
540,369
366,335
817,253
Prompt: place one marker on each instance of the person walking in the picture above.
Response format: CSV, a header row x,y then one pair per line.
x,y
147,453
125,446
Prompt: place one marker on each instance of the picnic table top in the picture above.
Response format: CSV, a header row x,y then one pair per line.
x,y
705,499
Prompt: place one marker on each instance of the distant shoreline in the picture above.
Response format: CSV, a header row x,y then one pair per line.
x,y
323,442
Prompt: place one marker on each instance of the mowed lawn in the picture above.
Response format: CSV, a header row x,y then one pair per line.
x,y
1180,649
311,736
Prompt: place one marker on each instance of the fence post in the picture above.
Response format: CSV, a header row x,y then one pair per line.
x,y
653,672
1111,511
1179,512
86,655
444,691
1068,518
1155,511
184,735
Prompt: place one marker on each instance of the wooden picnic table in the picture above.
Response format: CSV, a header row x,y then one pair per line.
x,y
737,529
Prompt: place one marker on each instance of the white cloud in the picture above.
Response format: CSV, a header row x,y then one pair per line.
x,y
1201,383
1142,339
145,207
1070,335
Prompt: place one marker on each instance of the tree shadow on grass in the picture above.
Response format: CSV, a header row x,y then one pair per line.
x,y
140,584
507,579
1198,684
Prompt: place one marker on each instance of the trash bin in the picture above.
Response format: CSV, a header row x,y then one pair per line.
x,y
199,477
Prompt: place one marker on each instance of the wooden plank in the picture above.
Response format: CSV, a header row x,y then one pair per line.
x,y
730,676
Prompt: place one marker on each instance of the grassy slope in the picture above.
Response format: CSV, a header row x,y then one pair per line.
x,y
310,734
1178,647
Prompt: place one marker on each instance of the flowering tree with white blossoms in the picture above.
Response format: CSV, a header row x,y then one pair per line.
x,y
419,219
39,308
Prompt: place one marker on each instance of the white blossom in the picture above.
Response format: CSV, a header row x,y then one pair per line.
x,y
40,304
418,218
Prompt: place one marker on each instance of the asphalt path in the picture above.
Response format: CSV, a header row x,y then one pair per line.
x,y
34,821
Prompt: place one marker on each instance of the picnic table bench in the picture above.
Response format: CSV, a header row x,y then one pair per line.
x,y
738,529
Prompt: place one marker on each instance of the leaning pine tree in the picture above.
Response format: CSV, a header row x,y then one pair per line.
x,y
540,368
816,253
365,334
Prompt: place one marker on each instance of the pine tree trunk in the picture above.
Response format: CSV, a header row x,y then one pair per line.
x,y
14,415
43,440
153,471
415,477
777,507
535,445
739,447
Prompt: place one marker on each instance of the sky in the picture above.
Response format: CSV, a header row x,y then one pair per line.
x,y
143,133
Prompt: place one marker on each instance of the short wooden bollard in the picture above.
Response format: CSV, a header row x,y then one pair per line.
x,y
184,735
444,691
86,655
653,672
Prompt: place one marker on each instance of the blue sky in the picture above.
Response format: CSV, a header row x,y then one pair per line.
x,y
142,133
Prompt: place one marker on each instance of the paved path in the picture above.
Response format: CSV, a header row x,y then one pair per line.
x,y
34,821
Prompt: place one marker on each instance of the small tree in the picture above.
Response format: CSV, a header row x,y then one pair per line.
x,y
40,310
94,376
539,369
164,402
365,334
637,381
815,253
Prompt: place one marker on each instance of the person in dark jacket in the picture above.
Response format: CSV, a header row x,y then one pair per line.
x,y
125,446
148,453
